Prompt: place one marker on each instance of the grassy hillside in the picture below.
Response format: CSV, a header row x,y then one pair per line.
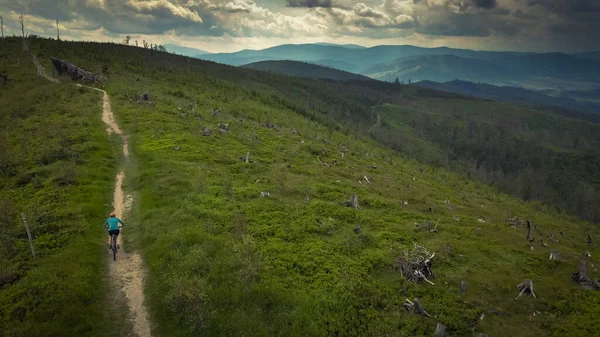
x,y
56,167
222,260
303,69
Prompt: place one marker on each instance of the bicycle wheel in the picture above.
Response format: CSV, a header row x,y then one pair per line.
x,y
114,247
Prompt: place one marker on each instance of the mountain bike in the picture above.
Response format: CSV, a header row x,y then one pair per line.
x,y
113,246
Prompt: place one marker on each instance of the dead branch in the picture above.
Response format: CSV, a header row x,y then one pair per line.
x,y
526,287
26,224
515,221
322,163
434,229
415,265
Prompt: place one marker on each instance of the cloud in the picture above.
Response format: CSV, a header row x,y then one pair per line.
x,y
360,17
310,3
568,24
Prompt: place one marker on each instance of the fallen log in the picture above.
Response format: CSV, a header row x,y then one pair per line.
x,y
65,68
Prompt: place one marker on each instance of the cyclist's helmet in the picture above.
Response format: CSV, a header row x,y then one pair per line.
x,y
112,214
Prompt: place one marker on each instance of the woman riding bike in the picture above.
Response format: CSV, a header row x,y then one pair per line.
x,y
113,226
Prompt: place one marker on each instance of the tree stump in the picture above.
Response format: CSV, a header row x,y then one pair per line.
x,y
440,330
581,276
415,307
353,202
529,238
463,287
589,239
246,158
554,255
526,287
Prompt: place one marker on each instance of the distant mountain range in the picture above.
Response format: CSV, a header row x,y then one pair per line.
x,y
308,70
185,51
561,74
512,95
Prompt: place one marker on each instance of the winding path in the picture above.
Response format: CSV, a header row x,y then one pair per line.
x,y
127,272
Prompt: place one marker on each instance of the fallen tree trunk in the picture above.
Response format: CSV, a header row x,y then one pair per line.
x,y
65,68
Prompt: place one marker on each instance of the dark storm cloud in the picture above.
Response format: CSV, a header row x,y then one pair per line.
x,y
450,24
310,3
568,6
486,3
462,5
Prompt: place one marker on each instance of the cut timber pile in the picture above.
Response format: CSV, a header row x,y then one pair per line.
x,y
64,68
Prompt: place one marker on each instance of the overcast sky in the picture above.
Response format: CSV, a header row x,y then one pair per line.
x,y
231,25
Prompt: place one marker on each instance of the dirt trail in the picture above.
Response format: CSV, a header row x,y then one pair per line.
x,y
127,272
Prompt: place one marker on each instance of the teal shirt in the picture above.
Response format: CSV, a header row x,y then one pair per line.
x,y
113,223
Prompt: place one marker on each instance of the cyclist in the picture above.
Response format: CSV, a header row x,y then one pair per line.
x,y
113,226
